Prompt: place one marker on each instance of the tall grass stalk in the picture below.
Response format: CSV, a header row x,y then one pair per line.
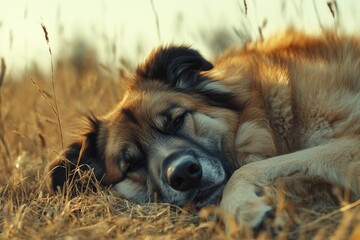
x,y
57,114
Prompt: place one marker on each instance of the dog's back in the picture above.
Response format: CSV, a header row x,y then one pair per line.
x,y
309,85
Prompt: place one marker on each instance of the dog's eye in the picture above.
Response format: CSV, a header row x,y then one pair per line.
x,y
134,166
179,120
132,163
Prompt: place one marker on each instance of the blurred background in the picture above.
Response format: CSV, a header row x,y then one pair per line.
x,y
122,32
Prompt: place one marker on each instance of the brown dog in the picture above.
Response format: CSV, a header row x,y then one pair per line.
x,y
288,105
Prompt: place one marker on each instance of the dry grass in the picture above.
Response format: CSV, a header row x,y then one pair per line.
x,y
30,139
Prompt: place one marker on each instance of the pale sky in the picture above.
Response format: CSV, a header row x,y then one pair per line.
x,y
129,26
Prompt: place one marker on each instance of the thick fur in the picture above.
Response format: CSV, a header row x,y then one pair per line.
x,y
187,128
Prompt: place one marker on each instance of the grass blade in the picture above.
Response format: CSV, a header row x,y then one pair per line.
x,y
2,128
55,108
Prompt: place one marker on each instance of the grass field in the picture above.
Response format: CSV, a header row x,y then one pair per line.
x,y
31,134
31,137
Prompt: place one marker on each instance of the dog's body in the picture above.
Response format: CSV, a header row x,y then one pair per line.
x,y
289,105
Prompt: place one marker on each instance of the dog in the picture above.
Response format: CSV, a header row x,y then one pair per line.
x,y
192,131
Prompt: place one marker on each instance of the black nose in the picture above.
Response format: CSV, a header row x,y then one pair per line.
x,y
184,173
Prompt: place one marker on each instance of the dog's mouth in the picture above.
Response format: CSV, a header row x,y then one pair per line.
x,y
209,196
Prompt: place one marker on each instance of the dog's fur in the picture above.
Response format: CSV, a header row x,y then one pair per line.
x,y
271,109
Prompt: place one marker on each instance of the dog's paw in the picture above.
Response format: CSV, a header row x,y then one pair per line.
x,y
248,204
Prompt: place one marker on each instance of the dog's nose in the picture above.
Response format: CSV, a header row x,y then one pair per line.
x,y
184,173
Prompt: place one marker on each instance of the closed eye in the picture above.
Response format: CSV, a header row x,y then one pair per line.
x,y
172,119
134,165
179,121
132,159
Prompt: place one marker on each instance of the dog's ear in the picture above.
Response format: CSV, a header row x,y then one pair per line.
x,y
181,67
178,66
80,157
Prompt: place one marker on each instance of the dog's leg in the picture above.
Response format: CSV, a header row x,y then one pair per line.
x,y
337,162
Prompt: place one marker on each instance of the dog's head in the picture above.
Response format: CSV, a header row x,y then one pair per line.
x,y
170,139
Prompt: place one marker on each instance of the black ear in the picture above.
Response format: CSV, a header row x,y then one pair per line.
x,y
178,66
79,158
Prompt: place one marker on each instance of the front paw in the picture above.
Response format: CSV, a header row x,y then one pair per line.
x,y
247,203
